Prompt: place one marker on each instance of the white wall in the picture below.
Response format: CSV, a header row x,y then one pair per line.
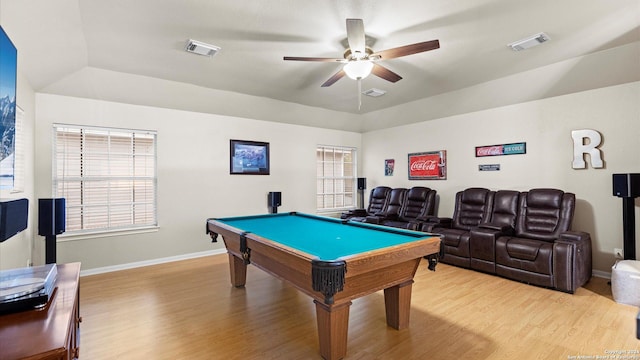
x,y
545,125
193,173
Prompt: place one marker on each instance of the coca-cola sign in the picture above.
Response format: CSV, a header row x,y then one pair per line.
x,y
504,149
428,165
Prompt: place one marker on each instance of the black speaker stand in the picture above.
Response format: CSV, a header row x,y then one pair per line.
x,y
50,249
629,228
361,193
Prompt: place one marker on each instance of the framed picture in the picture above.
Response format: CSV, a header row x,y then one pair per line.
x,y
8,71
431,165
249,157
389,165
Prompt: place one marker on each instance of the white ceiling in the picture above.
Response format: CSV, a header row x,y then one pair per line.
x,y
57,38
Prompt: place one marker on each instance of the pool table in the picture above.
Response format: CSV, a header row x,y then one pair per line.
x,y
332,260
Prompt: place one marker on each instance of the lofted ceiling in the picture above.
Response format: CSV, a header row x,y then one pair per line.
x,y
58,38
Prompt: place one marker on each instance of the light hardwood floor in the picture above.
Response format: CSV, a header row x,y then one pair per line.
x,y
189,310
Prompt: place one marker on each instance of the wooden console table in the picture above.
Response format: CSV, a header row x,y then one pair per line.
x,y
50,333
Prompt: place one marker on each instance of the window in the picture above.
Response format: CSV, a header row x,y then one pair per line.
x,y
107,176
336,167
19,167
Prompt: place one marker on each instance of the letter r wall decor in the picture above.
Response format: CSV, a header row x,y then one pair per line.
x,y
431,165
586,141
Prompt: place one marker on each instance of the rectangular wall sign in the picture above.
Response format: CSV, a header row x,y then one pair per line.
x,y
489,167
503,149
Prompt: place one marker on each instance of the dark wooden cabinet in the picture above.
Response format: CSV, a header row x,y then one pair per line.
x,y
50,333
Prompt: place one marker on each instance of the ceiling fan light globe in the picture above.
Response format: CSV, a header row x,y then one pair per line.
x,y
358,69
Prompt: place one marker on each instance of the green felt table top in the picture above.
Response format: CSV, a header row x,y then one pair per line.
x,y
326,238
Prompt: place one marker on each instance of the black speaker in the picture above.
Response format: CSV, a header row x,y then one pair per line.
x,y
362,183
51,216
13,217
626,185
275,199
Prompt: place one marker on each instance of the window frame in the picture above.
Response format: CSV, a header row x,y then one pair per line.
x,y
349,181
148,178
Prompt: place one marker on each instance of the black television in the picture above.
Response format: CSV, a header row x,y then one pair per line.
x,y
8,79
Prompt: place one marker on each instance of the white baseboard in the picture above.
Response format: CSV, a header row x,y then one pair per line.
x,y
601,274
137,264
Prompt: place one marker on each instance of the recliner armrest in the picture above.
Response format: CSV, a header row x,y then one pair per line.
x,y
574,236
440,221
373,220
353,213
432,222
503,229
572,260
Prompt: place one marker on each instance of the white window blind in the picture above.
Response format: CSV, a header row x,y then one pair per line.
x,y
336,177
107,176
18,163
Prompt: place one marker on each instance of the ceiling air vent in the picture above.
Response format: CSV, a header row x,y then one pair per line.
x,y
531,41
201,48
373,92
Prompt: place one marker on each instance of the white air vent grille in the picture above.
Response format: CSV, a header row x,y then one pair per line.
x,y
200,48
531,41
373,92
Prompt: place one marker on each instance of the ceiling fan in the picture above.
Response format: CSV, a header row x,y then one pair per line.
x,y
360,60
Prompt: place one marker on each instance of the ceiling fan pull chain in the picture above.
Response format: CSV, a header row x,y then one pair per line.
x,y
359,93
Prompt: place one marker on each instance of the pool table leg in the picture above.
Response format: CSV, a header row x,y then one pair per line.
x,y
238,271
333,325
397,303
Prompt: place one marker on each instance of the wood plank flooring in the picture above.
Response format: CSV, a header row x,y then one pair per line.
x,y
189,310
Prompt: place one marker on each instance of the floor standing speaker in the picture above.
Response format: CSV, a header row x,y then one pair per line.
x,y
627,186
51,222
362,183
274,199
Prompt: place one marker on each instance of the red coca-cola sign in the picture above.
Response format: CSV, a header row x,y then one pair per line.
x,y
428,165
489,150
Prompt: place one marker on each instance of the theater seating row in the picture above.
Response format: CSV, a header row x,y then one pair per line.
x,y
399,207
524,236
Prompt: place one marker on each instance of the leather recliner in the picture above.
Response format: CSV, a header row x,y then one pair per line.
x,y
392,209
418,204
473,207
543,250
378,199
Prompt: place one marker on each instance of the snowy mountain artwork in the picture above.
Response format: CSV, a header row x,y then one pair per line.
x,y
8,70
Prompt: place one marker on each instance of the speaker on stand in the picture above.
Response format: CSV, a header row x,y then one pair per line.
x,y
627,186
51,222
362,185
274,199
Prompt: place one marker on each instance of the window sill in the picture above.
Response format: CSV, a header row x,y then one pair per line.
x,y
105,233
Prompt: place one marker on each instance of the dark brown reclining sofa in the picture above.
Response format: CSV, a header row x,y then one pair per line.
x,y
524,236
399,207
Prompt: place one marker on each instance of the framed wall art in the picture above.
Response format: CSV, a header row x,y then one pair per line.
x,y
389,165
431,165
249,157
8,76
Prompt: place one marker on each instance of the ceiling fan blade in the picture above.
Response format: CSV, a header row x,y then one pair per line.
x,y
406,50
382,72
355,36
301,58
337,76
